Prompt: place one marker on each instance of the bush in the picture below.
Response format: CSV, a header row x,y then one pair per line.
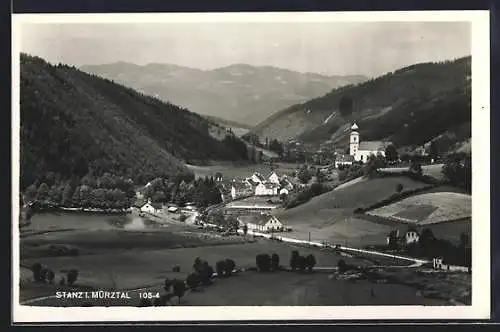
x,y
176,268
294,260
179,288
72,277
263,262
310,262
167,284
342,266
37,269
182,218
192,281
220,268
399,188
230,266
302,263
275,262
62,281
50,276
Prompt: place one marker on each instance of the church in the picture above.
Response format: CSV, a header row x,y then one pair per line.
x,y
362,150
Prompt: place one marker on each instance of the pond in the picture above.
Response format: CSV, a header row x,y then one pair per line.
x,y
88,221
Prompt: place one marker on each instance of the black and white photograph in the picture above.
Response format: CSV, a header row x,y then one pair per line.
x,y
251,166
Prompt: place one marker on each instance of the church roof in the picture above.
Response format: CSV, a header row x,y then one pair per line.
x,y
372,145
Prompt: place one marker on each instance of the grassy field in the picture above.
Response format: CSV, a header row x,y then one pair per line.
x,y
335,206
136,267
281,289
428,208
434,170
231,171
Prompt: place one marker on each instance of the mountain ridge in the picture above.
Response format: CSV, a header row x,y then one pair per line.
x,y
238,92
396,100
90,124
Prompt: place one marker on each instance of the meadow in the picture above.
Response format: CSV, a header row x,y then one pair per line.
x,y
428,208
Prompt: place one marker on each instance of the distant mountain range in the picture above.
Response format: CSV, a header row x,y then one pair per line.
x,y
240,92
73,123
410,107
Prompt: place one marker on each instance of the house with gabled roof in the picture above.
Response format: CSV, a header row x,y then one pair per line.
x,y
267,189
241,189
273,178
151,208
257,177
261,222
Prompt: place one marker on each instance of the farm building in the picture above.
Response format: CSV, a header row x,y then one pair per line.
x,y
266,189
284,191
261,223
285,183
343,160
410,236
361,151
173,209
152,208
274,178
437,263
240,189
258,178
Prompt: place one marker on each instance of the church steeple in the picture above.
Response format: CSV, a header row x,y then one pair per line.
x,y
354,140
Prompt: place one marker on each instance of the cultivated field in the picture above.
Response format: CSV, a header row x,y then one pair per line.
x,y
434,170
335,206
428,208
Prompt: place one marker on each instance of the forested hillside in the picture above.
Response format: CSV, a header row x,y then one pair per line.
x,y
409,106
73,123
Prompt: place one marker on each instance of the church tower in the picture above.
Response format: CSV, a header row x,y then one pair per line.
x,y
354,140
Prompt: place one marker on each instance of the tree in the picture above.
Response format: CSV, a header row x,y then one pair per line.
x,y
220,268
416,168
66,195
374,163
179,288
310,261
50,276
304,175
302,263
393,240
391,154
72,276
193,281
342,266
167,285
294,260
263,262
36,269
245,229
275,262
319,176
43,192
464,240
399,188
230,266
31,192
458,172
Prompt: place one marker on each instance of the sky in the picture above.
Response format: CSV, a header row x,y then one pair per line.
x,y
330,48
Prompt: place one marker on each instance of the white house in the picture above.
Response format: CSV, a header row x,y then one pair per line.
x,y
411,236
262,223
274,178
284,191
173,209
258,178
286,183
361,151
437,263
266,189
240,189
151,208
343,160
